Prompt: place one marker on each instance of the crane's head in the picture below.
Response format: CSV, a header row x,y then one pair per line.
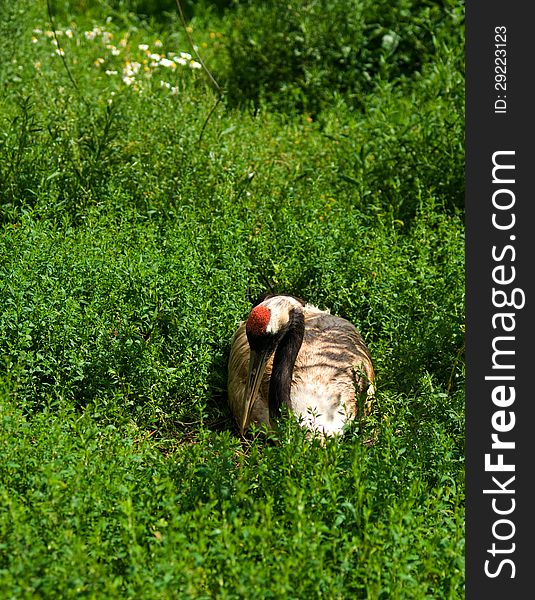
x,y
266,326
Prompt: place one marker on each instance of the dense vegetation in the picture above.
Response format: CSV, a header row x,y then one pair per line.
x,y
140,211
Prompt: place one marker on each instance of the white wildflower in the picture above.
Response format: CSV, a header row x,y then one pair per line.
x,y
128,80
158,43
180,60
143,47
131,68
195,65
186,55
165,62
110,72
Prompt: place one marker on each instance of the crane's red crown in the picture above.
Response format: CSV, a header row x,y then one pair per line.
x,y
258,320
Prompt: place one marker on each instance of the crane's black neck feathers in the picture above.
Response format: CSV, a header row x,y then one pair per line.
x,y
283,363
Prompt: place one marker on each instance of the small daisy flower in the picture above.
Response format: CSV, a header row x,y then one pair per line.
x,y
143,47
186,55
158,44
131,68
195,65
165,62
180,60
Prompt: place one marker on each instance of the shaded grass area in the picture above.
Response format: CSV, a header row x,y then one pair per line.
x,y
129,250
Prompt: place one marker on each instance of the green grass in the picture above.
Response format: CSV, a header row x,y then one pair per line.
x,y
134,232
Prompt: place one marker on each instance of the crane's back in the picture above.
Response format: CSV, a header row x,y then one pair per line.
x,y
333,375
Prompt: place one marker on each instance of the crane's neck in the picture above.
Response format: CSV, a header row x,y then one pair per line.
x,y
283,363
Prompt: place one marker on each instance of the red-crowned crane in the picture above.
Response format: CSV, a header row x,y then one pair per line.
x,y
292,353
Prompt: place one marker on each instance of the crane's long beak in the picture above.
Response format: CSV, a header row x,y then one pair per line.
x,y
257,367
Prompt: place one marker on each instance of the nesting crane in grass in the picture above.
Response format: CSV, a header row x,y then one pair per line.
x,y
291,353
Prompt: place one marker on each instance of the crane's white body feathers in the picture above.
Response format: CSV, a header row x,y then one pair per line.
x,y
332,371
